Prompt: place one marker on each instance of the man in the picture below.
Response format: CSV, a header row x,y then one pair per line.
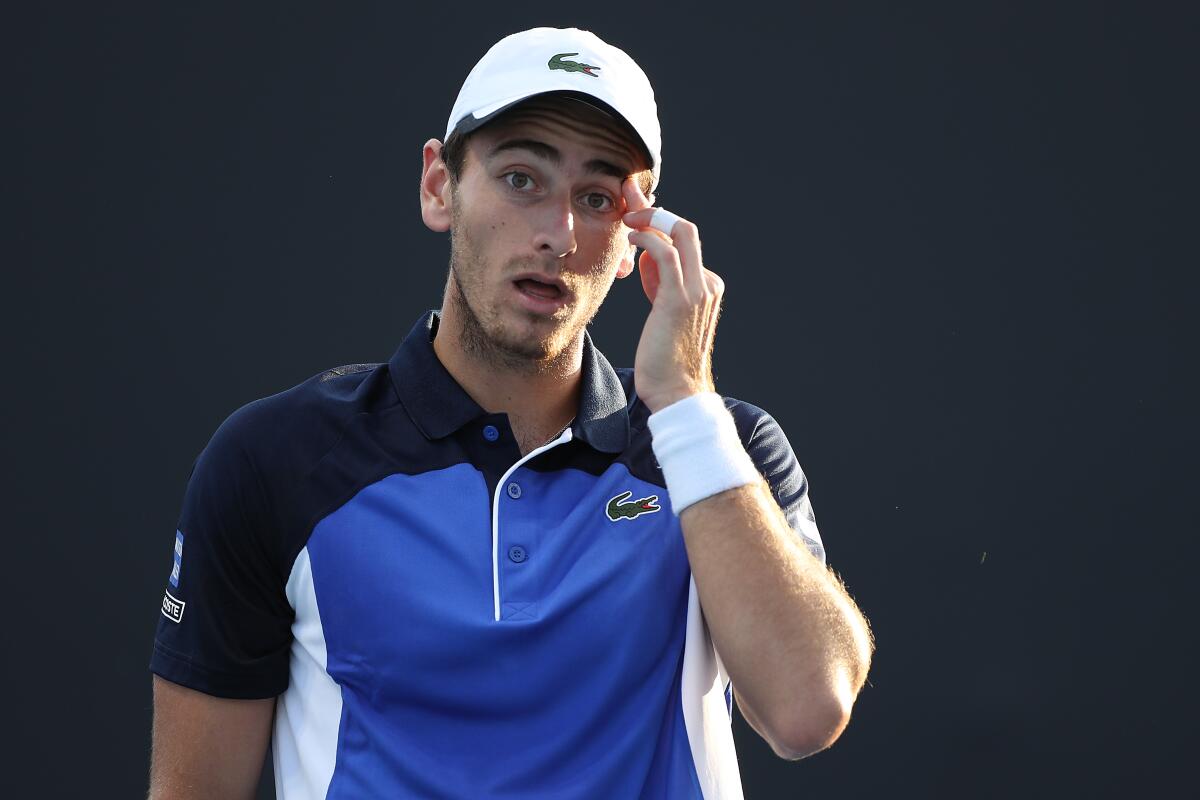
x,y
495,566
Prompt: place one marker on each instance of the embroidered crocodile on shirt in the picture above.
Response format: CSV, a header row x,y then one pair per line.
x,y
619,509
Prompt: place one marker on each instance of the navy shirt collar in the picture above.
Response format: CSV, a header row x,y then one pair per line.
x,y
439,406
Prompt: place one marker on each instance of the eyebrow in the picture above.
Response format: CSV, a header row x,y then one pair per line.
x,y
551,154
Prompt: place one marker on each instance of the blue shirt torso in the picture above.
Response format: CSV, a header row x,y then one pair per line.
x,y
440,615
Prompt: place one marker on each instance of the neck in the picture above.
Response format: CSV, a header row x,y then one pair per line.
x,y
540,397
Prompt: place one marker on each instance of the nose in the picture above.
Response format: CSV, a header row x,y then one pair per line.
x,y
555,228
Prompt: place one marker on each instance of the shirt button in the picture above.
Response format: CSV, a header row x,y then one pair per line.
x,y
514,490
490,433
517,553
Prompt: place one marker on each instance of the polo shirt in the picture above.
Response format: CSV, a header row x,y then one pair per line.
x,y
442,617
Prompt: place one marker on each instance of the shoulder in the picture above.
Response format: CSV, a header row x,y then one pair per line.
x,y
293,428
768,447
753,423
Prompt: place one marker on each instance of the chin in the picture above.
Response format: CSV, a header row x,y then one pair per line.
x,y
538,338
514,337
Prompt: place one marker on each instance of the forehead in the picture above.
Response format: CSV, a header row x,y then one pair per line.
x,y
568,125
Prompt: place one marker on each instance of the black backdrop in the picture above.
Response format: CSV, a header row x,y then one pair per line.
x,y
959,246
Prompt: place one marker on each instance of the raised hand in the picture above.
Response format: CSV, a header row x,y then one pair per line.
x,y
674,355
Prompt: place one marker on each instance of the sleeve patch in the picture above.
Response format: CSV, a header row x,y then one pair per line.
x,y
172,607
178,559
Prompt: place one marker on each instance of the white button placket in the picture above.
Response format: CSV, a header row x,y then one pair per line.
x,y
509,489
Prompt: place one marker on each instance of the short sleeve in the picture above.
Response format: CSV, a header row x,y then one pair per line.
x,y
772,454
225,623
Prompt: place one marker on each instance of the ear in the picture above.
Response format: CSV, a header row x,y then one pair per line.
x,y
625,268
436,200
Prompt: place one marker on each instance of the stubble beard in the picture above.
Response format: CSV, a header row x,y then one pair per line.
x,y
491,348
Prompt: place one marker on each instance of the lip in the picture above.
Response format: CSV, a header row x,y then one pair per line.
x,y
541,305
541,277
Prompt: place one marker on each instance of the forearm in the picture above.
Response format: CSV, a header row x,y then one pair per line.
x,y
205,746
796,647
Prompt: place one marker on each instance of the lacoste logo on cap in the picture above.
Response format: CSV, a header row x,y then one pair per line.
x,y
556,62
619,509
172,607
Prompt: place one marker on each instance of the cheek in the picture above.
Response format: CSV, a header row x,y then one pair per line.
x,y
484,239
618,246
478,219
613,247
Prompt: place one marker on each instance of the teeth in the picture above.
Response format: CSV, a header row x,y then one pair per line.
x,y
538,289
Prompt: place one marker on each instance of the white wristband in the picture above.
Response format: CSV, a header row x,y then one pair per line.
x,y
697,446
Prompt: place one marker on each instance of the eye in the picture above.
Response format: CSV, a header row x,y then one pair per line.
x,y
598,201
518,180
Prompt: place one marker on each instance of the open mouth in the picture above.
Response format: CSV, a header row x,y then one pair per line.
x,y
535,288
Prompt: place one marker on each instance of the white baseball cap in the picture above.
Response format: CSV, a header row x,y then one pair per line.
x,y
543,60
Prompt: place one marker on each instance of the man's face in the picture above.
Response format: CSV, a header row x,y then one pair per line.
x,y
536,232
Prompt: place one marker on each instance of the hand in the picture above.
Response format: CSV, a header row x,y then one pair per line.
x,y
674,355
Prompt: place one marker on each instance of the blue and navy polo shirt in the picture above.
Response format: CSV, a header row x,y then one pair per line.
x,y
442,617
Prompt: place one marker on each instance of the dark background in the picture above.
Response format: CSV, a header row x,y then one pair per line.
x,y
959,243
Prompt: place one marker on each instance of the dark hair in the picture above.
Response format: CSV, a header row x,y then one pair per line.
x,y
454,153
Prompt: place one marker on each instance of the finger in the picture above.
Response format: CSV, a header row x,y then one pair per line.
x,y
686,238
716,284
648,272
634,199
670,275
664,220
639,218
683,235
716,288
652,217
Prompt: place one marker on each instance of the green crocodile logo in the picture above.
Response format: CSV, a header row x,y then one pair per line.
x,y
619,509
556,62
